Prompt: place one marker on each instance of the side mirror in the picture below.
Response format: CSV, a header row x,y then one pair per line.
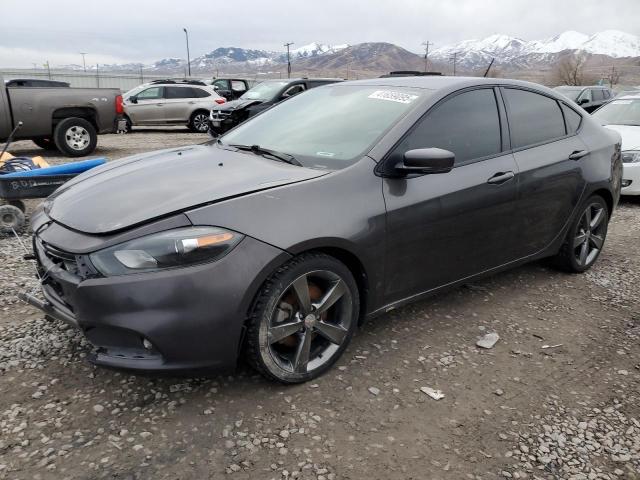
x,y
133,99
426,161
582,101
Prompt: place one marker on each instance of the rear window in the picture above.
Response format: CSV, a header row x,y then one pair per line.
x,y
597,95
200,93
533,118
572,118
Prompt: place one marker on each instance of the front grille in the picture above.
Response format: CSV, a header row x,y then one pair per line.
x,y
65,260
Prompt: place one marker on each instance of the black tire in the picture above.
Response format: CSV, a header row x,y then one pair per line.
x,y
278,312
18,204
199,121
11,218
585,238
46,143
75,137
128,125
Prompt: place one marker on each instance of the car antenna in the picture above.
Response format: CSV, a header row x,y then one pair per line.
x,y
10,139
488,68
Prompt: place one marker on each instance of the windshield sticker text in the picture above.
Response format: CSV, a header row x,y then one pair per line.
x,y
391,96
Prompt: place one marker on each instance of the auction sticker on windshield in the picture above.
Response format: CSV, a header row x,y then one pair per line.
x,y
392,96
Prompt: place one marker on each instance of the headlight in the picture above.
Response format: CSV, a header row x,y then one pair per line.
x,y
170,249
631,156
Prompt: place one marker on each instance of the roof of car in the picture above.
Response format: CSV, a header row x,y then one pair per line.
x,y
440,82
628,96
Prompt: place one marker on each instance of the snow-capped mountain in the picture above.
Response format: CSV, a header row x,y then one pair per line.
x,y
315,48
511,50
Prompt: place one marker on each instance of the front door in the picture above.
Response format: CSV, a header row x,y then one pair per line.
x,y
446,227
149,108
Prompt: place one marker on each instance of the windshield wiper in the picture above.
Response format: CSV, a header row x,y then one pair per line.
x,y
257,149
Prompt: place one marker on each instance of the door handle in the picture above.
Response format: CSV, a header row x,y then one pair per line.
x,y
578,154
501,177
192,103
159,104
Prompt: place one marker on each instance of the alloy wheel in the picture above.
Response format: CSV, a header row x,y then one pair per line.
x,y
200,122
77,137
590,235
311,321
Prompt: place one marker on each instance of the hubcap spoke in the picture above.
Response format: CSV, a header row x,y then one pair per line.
x,y
597,241
333,333
333,295
301,359
579,240
587,217
301,290
597,219
283,331
584,252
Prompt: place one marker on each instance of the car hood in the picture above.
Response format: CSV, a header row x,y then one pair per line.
x,y
142,188
630,136
237,104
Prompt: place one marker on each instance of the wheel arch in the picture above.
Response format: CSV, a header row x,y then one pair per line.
x,y
86,113
607,196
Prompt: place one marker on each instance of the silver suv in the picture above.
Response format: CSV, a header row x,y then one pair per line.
x,y
171,102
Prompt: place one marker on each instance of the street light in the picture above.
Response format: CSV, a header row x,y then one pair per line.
x,y
84,65
288,44
188,59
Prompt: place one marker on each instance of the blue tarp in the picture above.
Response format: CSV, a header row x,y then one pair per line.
x,y
66,169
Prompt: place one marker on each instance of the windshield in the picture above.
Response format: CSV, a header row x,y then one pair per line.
x,y
265,91
620,112
328,127
570,92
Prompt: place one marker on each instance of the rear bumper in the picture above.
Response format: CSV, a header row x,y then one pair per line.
x,y
631,173
182,319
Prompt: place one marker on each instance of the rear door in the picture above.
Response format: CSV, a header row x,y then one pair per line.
x,y
179,102
445,227
548,153
149,108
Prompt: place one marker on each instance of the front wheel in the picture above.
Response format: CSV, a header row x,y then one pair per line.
x,y
303,319
585,238
199,122
75,137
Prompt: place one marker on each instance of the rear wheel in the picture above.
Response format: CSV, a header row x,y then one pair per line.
x,y
75,137
46,143
199,122
585,238
303,319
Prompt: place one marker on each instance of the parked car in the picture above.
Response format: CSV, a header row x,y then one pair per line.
x,y
171,102
32,82
230,88
68,119
589,98
276,241
264,95
623,115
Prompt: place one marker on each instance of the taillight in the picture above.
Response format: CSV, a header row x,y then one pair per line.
x,y
119,107
220,101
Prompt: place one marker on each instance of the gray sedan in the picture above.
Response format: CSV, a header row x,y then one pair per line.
x,y
277,241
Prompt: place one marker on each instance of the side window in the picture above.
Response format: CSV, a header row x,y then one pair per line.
x,y
572,118
178,92
221,84
238,86
199,93
152,93
586,94
533,118
467,125
293,90
607,94
598,95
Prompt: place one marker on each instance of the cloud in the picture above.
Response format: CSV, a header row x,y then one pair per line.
x,y
147,30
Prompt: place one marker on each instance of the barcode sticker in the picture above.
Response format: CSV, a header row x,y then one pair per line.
x,y
392,96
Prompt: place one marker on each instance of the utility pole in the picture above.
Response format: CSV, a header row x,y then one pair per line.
x,y
84,65
188,58
141,75
426,54
288,44
48,69
98,75
455,58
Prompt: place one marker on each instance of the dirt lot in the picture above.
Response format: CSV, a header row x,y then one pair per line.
x,y
518,410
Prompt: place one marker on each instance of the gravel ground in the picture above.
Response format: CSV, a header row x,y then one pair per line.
x,y
557,397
